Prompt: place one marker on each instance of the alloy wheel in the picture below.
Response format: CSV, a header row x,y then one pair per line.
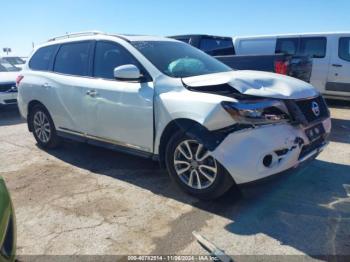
x,y
42,126
194,165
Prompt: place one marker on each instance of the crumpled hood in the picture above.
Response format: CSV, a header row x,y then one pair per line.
x,y
8,77
256,83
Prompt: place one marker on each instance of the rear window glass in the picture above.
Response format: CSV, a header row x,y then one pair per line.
x,y
217,46
344,48
314,47
42,58
73,59
287,46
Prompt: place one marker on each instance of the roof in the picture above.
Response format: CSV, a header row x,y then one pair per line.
x,y
91,35
95,34
296,34
133,38
199,35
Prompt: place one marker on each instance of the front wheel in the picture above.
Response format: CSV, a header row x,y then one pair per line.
x,y
43,128
194,169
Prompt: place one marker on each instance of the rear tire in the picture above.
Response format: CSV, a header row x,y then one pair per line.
x,y
43,128
191,166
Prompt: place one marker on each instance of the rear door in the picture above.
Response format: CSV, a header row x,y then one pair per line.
x,y
119,112
339,77
72,71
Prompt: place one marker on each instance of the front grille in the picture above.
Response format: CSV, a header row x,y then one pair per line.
x,y
8,87
311,147
306,106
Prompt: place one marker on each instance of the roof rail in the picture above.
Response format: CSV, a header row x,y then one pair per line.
x,y
86,33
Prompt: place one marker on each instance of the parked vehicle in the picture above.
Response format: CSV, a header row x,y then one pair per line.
x,y
15,60
222,48
8,89
210,126
330,53
7,226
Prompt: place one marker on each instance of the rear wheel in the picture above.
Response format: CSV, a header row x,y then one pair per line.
x,y
43,127
194,169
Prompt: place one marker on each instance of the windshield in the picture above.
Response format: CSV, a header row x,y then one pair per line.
x,y
7,67
177,59
14,60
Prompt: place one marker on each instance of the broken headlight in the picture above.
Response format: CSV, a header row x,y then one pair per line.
x,y
257,112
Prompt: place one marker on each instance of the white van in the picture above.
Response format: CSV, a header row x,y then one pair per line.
x,y
330,53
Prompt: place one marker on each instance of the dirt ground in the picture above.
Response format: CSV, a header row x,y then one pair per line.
x,y
84,200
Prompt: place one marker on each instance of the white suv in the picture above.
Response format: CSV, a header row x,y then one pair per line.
x,y
8,78
210,126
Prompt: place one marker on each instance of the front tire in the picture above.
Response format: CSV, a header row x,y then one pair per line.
x,y
193,168
43,128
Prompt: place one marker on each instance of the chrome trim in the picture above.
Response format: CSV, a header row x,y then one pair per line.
x,y
77,34
312,153
106,140
307,98
70,131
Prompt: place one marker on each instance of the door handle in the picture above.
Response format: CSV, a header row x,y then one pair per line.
x,y
337,65
46,85
92,93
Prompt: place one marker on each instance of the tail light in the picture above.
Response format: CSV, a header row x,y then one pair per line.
x,y
281,67
18,80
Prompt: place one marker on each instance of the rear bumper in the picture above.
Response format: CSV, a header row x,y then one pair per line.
x,y
8,98
242,153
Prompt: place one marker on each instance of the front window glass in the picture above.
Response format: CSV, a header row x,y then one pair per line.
x,y
177,59
108,56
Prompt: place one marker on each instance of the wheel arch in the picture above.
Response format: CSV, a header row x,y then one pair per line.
x,y
31,105
210,139
176,125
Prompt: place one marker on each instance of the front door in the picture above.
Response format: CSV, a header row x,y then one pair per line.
x,y
118,112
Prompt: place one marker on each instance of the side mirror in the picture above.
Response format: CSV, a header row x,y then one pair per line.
x,y
127,72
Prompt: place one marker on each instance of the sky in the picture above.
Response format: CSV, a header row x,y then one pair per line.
x,y
34,21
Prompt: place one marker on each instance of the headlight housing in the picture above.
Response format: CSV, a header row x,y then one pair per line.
x,y
257,112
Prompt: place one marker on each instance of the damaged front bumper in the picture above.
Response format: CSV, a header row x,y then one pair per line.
x,y
255,153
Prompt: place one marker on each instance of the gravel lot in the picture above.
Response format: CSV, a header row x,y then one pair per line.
x,y
81,199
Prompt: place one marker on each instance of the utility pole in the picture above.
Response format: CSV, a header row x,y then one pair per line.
x,y
6,50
